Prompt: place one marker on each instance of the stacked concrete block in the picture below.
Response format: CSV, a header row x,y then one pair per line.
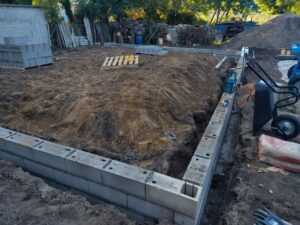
x,y
20,20
21,40
82,40
217,52
139,191
25,55
149,50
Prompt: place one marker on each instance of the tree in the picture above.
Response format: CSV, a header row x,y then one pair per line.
x,y
51,7
278,6
102,9
222,8
67,6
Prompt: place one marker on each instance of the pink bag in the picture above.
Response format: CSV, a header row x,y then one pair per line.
x,y
279,153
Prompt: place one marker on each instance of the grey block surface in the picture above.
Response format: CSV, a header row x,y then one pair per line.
x,y
182,219
38,169
86,165
197,170
149,209
17,40
25,55
206,147
4,133
71,181
22,144
125,177
19,161
107,193
52,154
213,130
168,192
150,50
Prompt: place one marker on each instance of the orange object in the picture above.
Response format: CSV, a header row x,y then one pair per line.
x,y
279,153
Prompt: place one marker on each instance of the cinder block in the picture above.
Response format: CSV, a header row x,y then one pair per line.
x,y
39,169
182,219
52,154
15,40
206,147
87,165
218,116
140,219
12,158
213,130
125,177
22,144
71,181
4,133
171,193
107,193
149,209
150,50
196,170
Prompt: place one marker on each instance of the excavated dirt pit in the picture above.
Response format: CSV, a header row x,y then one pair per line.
x,y
151,115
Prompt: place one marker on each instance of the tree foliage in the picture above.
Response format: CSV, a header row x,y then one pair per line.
x,y
51,9
67,6
278,6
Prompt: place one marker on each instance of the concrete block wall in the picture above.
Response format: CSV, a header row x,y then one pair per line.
x,y
25,55
20,21
136,190
218,52
149,50
201,167
139,192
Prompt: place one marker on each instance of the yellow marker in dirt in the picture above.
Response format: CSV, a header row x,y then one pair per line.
x,y
129,58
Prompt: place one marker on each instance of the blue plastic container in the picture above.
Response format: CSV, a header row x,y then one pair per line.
x,y
295,49
220,27
139,39
249,25
230,84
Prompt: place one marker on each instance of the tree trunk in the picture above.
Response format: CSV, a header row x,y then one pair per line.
x,y
212,18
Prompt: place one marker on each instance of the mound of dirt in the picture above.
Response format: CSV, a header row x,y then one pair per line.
x,y
148,115
278,33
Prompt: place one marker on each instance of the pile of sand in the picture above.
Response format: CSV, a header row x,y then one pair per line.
x,y
280,32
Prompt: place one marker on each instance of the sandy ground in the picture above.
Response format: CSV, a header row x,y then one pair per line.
x,y
238,188
280,32
26,199
150,115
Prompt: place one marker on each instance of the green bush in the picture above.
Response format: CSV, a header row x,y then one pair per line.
x,y
175,18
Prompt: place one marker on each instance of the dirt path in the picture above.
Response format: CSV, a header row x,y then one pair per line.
x,y
151,115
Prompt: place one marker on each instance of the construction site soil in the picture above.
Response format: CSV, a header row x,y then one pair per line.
x,y
26,199
151,115
281,32
241,182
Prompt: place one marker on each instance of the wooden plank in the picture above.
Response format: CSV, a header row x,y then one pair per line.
x,y
110,61
88,30
221,62
105,61
116,60
120,60
125,60
136,60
